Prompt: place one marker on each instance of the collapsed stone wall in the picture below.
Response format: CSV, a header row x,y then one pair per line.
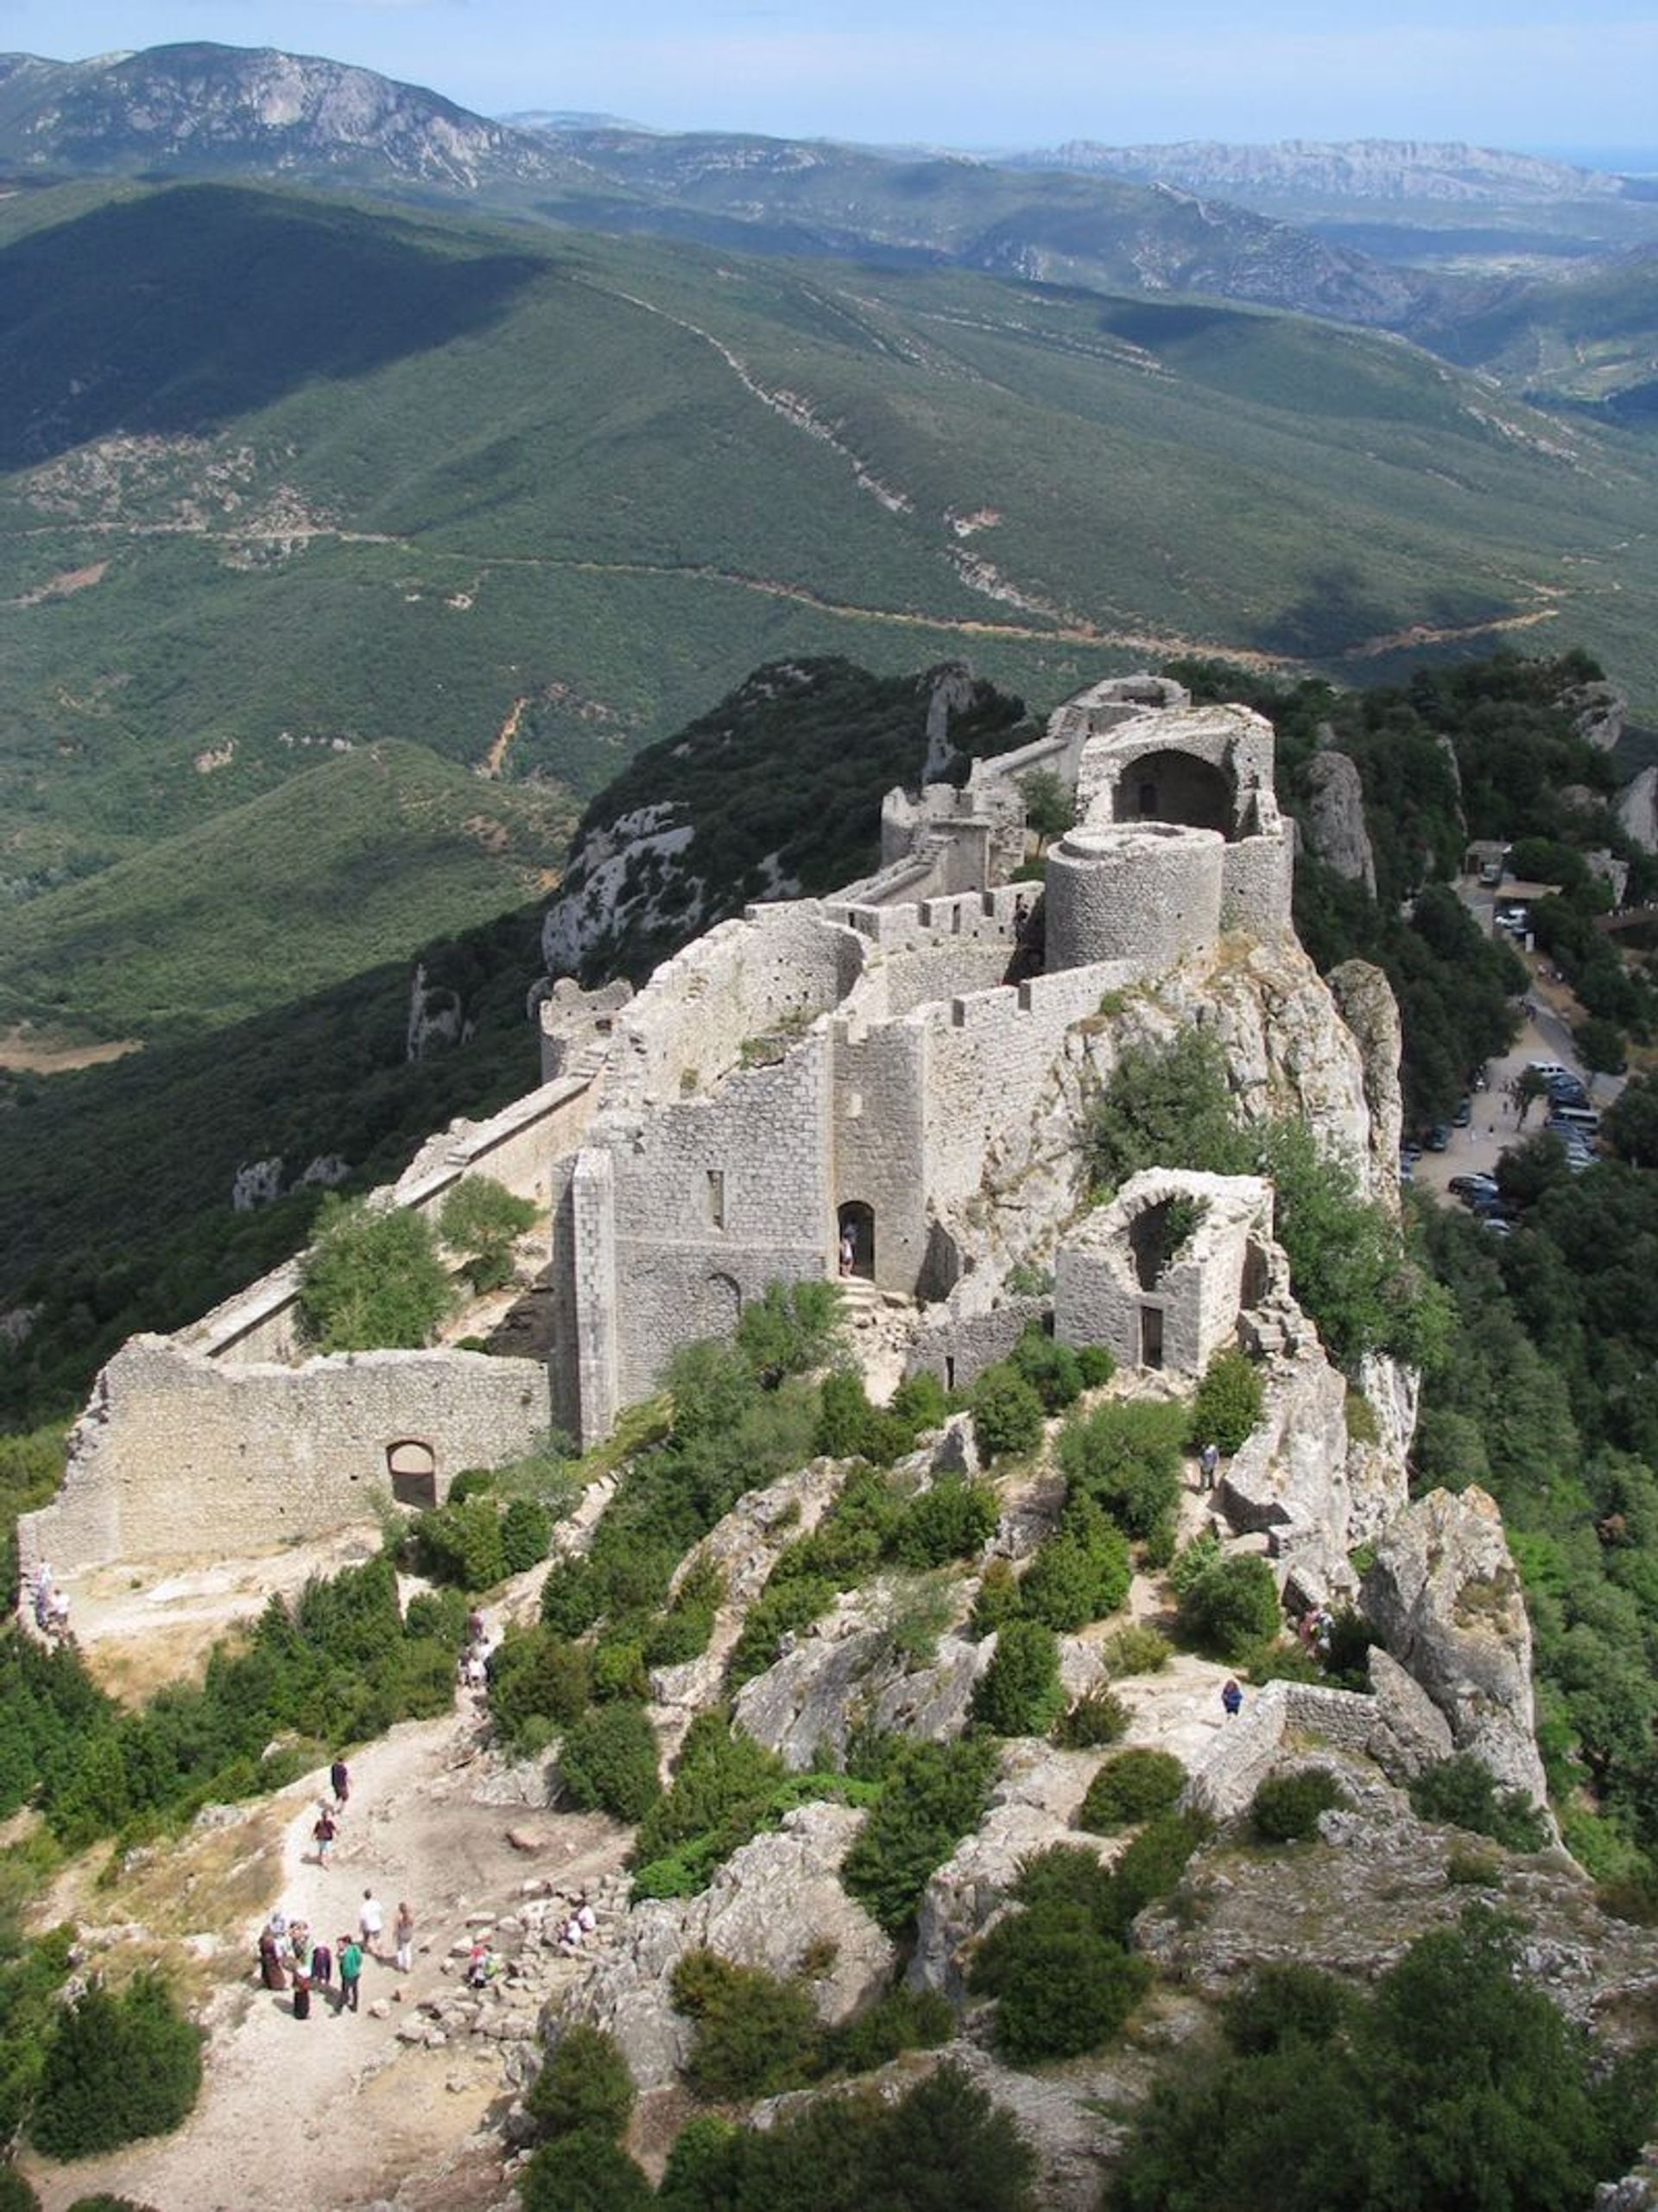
x,y
179,1453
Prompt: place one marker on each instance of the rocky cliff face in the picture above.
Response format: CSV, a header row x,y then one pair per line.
x,y
1335,821
1362,168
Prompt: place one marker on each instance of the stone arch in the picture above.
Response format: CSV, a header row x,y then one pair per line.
x,y
1171,786
856,1220
722,1302
413,1467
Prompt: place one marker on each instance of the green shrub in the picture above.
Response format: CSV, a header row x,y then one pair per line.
x,y
1462,1792
1150,1868
1097,1364
525,1535
1477,1870
1133,1787
903,2019
1193,1560
585,2083
462,1543
1227,1407
1286,1808
117,2069
1127,1460
15,2194
481,1218
440,1614
1020,1693
932,1795
1100,1718
791,1328
722,1789
1063,1988
1137,1650
537,1676
755,2036
1052,1370
998,1600
1081,1574
683,1630
1232,1608
571,1596
953,1519
608,1761
1007,1412
781,1609
1287,2004
99,2203
371,1279
920,1401
586,2171
619,1663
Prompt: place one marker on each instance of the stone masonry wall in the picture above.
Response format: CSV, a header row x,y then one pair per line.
x,y
959,1349
179,1454
1241,1755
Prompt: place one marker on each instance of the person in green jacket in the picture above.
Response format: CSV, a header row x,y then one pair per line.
x,y
348,1957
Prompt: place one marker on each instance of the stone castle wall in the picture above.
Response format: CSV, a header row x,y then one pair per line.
x,y
180,1454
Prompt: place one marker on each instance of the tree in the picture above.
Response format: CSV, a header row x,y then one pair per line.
x,y
1050,807
1229,1401
481,1218
117,2069
372,1279
586,2082
1630,1123
1020,1693
1602,1047
1529,1084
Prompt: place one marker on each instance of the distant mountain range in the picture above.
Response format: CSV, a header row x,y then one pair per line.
x,y
1358,168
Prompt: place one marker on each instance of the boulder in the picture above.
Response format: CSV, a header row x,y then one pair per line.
x,y
771,1901
1445,1596
1411,1733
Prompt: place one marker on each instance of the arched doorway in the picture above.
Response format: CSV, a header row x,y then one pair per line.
x,y
1176,787
412,1467
855,1232
721,1304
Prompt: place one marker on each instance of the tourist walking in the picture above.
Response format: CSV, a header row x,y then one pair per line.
x,y
339,1780
371,1920
1208,1466
403,1936
349,1958
323,1835
1233,1698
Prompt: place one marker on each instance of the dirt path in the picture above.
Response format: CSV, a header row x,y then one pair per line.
x,y
336,2111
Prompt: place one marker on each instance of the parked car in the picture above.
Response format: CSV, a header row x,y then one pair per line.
x,y
1464,1112
1439,1137
1465,1186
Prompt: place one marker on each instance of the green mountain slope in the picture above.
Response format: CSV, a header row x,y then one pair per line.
x,y
573,488
345,865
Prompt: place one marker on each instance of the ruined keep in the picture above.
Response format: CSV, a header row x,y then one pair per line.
x,y
823,1070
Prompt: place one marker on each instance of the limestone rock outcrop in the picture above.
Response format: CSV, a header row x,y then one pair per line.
x,y
850,1667
1445,1597
1335,821
773,1900
1637,809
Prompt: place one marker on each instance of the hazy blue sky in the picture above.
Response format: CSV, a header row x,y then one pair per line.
x,y
1514,72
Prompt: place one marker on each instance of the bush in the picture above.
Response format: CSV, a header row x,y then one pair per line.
x,y
1100,1718
1063,1988
1137,1650
1126,1459
1227,1407
1133,1787
1281,2005
15,2194
1007,1413
998,1600
586,2172
954,1519
1286,1808
903,2019
117,2069
683,1630
920,1401
1052,1370
525,1535
608,1761
791,1328
1231,1606
1020,1693
481,1218
722,1790
462,1543
371,1279
1462,1792
1097,1364
755,2035
585,2083
932,1795
1151,1866
537,1676
573,1597
1081,1574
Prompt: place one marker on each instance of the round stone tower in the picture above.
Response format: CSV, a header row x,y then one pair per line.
x,y
1148,891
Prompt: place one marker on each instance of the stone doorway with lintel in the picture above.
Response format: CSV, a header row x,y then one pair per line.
x,y
856,1222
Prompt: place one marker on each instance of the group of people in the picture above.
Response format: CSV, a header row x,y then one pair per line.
x,y
474,1663
289,1952
49,1605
